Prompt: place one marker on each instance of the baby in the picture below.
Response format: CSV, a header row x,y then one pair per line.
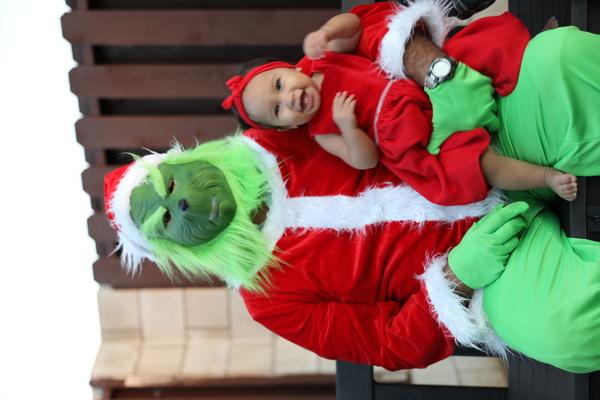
x,y
355,113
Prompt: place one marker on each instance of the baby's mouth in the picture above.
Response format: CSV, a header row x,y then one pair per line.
x,y
305,102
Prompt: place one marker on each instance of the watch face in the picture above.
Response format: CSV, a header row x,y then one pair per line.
x,y
441,68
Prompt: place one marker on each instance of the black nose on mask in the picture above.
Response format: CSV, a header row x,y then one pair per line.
x,y
183,205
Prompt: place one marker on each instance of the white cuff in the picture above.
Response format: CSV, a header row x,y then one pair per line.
x,y
469,326
400,28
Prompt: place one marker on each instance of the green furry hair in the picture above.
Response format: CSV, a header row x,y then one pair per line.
x,y
240,255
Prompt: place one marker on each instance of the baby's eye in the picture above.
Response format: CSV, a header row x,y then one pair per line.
x,y
276,110
278,83
171,186
166,218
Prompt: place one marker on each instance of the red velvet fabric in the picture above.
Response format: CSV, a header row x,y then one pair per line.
x,y
351,296
493,46
403,129
354,296
404,126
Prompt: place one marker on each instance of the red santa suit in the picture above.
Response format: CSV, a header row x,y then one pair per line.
x,y
397,114
353,247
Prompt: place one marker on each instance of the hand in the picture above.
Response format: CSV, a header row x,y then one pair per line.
x,y
481,256
343,111
463,103
315,44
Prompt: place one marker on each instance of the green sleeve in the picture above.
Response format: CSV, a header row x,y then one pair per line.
x,y
463,103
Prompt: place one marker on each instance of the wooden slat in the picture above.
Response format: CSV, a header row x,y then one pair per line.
x,y
126,132
141,81
108,271
93,184
193,27
99,228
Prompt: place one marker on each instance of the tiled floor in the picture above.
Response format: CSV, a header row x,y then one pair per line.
x,y
161,335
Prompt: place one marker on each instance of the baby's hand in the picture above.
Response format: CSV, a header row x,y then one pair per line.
x,y
343,111
315,44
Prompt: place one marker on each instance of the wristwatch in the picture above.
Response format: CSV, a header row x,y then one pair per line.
x,y
440,70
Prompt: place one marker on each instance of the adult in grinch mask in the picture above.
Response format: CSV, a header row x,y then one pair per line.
x,y
356,266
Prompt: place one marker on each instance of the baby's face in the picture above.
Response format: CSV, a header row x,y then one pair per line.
x,y
281,97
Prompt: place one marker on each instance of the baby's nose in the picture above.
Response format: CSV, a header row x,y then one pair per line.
x,y
292,98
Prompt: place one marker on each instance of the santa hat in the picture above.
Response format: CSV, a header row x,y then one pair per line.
x,y
118,185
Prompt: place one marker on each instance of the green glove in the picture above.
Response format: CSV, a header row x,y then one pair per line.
x,y
462,103
482,254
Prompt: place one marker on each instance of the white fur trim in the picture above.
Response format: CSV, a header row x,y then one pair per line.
x,y
490,341
469,326
402,203
377,205
134,247
274,225
400,28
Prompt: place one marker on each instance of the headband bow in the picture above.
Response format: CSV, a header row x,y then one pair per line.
x,y
238,83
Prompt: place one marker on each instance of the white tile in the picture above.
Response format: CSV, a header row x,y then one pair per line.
x,y
119,312
243,327
481,371
478,363
251,359
207,308
163,320
293,359
206,357
441,373
326,366
160,361
116,360
383,375
482,378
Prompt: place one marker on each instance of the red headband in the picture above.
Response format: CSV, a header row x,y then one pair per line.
x,y
238,83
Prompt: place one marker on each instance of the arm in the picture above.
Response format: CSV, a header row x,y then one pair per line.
x,y
340,34
453,176
385,333
354,145
468,100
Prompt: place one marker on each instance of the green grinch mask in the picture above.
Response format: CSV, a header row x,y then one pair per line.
x,y
194,206
196,210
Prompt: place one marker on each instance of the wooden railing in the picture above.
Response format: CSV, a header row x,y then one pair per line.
x,y
154,71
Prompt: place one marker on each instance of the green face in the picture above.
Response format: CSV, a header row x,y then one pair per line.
x,y
198,204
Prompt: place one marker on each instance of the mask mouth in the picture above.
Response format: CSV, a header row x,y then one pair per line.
x,y
214,211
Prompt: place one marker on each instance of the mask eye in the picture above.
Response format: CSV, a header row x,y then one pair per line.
x,y
276,110
166,218
278,84
171,186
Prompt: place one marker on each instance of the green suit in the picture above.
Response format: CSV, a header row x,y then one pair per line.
x,y
546,301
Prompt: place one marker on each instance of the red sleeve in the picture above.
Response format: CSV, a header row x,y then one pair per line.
x,y
389,334
493,46
374,21
453,176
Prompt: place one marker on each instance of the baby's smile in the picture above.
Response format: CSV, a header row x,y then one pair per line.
x,y
306,102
